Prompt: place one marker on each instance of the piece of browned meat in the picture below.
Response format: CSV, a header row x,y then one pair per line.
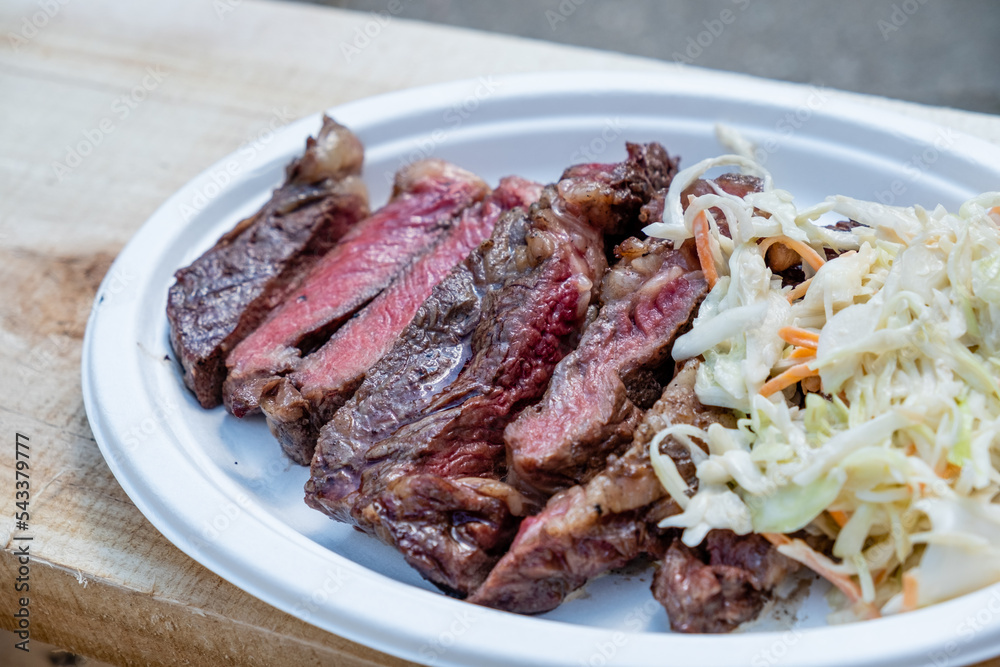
x,y
223,295
416,456
427,201
612,195
298,405
598,393
719,584
589,529
532,284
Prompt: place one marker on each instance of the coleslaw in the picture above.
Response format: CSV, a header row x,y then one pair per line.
x,y
868,393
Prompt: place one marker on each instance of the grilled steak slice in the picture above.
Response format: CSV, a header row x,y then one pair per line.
x,y
224,294
297,406
588,412
720,584
405,383
547,262
611,196
603,524
416,456
426,197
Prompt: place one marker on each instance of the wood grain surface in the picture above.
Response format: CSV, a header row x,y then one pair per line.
x,y
105,110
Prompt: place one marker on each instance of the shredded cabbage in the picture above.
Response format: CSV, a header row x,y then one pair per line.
x,y
896,456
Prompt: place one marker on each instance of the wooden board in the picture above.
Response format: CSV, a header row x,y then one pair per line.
x,y
105,110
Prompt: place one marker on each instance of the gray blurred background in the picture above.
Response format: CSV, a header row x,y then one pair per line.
x,y
930,51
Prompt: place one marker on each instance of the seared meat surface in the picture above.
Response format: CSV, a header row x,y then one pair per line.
x,y
588,411
428,198
448,363
722,583
222,296
543,267
298,405
416,457
589,529
603,524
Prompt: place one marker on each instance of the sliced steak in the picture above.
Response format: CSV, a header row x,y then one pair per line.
x,y
416,456
297,406
224,294
589,410
405,384
546,264
720,584
592,528
427,196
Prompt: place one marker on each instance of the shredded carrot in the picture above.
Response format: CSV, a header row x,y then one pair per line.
x,y
823,566
840,517
798,291
800,337
879,577
911,449
948,471
910,591
703,243
802,353
995,211
807,253
788,378
777,539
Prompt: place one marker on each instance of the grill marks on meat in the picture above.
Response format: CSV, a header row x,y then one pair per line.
x,y
402,387
224,294
592,528
426,197
494,362
297,406
720,584
587,411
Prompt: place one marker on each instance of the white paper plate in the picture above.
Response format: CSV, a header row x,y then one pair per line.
x,y
219,489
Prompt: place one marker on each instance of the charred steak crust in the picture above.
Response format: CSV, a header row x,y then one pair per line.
x,y
587,412
427,197
525,296
547,264
720,584
611,196
223,295
326,379
591,528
